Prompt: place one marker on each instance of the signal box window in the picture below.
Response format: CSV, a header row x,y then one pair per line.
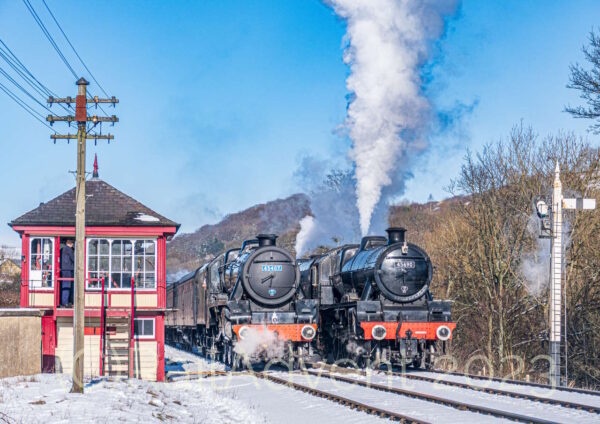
x,y
143,328
41,263
117,261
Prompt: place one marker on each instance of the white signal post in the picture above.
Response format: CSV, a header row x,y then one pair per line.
x,y
558,204
556,280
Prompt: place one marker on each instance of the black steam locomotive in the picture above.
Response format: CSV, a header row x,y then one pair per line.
x,y
375,304
240,294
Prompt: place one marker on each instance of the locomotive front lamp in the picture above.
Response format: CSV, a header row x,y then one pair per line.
x,y
443,332
243,332
379,332
308,332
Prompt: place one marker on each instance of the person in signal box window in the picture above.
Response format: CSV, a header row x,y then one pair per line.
x,y
67,268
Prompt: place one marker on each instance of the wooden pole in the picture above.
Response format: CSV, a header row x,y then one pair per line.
x,y
81,117
78,313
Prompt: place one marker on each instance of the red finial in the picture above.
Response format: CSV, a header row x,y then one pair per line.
x,y
95,174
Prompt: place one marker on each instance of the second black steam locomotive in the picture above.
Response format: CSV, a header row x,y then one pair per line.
x,y
375,304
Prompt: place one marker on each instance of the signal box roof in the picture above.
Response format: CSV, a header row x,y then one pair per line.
x,y
105,207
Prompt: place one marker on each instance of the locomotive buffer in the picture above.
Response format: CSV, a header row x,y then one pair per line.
x,y
82,118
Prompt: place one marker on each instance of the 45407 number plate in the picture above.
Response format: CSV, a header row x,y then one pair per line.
x,y
272,268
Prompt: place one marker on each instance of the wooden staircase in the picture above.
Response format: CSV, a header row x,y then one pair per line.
x,y
117,346
116,340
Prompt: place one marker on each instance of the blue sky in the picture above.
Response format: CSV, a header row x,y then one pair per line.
x,y
220,100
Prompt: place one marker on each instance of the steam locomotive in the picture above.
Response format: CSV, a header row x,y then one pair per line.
x,y
375,304
238,295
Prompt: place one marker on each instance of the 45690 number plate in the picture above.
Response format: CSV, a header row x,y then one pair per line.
x,y
404,264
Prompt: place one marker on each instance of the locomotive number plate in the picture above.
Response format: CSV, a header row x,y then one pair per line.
x,y
404,264
272,268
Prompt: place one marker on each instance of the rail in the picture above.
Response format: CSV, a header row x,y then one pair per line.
x,y
369,409
436,399
482,389
520,382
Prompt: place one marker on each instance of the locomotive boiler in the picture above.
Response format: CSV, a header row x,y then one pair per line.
x,y
375,303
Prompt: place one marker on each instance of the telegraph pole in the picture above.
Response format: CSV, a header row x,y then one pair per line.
x,y
82,119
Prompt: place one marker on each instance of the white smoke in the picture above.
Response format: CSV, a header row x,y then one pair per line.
x,y
307,230
332,203
260,345
535,265
388,42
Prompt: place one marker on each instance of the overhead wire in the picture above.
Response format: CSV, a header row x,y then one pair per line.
x,y
22,71
49,37
90,95
20,87
11,58
19,68
74,50
36,115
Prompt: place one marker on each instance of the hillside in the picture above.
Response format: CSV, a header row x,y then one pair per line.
x,y
280,216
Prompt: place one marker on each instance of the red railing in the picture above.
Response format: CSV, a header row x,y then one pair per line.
x,y
102,331
131,344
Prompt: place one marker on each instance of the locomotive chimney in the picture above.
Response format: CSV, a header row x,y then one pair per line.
x,y
395,235
266,240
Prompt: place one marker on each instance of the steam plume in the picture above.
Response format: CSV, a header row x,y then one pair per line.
x,y
260,344
335,218
388,42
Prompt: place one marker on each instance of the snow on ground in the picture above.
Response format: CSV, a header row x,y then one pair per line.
x,y
45,398
281,404
181,361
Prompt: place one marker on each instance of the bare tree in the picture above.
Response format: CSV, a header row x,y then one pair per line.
x,y
479,245
588,83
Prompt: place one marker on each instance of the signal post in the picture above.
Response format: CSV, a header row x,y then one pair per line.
x,y
553,229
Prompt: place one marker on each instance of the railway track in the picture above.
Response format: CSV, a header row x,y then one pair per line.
x,y
462,406
353,404
519,383
464,385
333,373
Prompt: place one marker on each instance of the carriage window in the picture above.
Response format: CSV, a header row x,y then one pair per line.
x,y
41,263
117,261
